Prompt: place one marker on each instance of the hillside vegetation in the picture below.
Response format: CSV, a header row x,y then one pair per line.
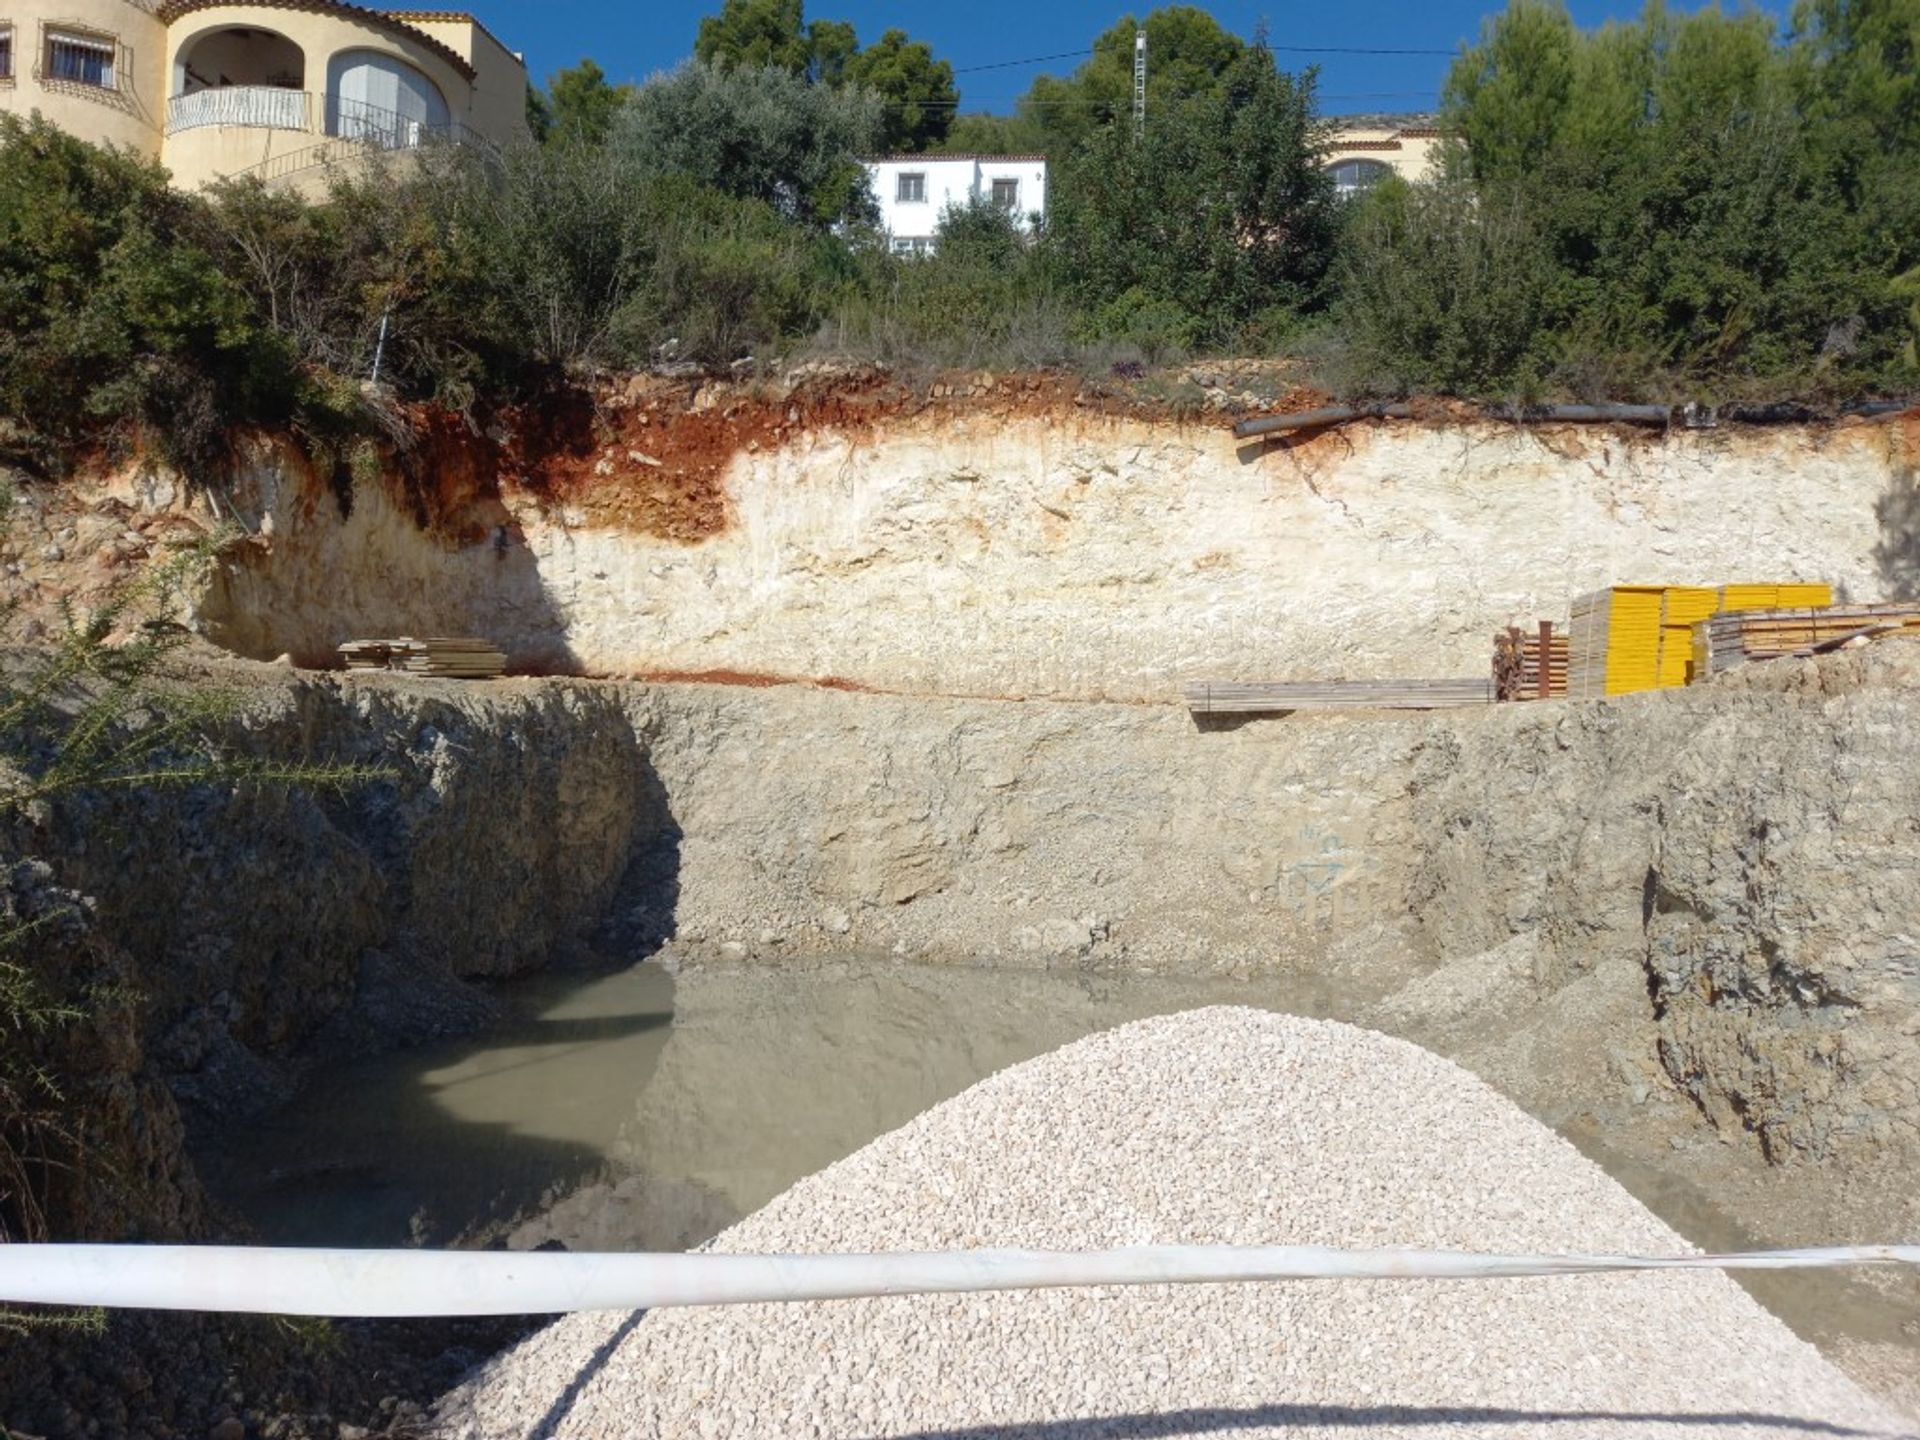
x,y
1684,206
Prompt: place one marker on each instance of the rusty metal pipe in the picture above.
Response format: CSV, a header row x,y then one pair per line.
x,y
1329,415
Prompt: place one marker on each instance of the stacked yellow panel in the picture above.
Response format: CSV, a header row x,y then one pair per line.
x,y
1614,639
1680,607
1790,595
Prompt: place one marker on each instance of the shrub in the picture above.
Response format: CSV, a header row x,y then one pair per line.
x,y
113,321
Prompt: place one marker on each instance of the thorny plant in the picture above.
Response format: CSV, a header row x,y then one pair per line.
x,y
100,707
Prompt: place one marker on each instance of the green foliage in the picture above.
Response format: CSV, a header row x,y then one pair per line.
x,y
1220,211
986,297
1442,290
111,322
993,135
1682,205
917,90
102,708
580,106
1188,56
756,35
724,278
1683,200
763,134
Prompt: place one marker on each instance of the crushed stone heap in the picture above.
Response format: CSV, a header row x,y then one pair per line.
x,y
1218,1126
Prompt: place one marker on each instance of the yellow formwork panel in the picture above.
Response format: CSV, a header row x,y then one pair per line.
x,y
1805,596
1680,606
1633,638
1684,604
1749,597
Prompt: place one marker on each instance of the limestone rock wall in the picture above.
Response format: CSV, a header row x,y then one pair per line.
x,y
1077,556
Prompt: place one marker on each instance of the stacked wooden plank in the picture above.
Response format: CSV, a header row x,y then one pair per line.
x,y
1793,595
449,657
1641,637
1518,670
1615,641
1231,698
367,654
1737,637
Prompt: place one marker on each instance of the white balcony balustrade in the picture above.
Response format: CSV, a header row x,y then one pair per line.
x,y
261,107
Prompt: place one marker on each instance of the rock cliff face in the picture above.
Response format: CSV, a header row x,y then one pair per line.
x,y
1707,896
1628,914
1073,556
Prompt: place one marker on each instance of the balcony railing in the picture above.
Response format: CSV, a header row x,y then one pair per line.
x,y
267,107
384,129
260,107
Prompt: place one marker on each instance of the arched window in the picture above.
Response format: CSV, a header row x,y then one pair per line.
x,y
382,100
1350,177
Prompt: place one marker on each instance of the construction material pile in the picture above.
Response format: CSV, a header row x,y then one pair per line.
x,y
1628,638
1725,641
1225,697
1216,1126
1519,673
448,657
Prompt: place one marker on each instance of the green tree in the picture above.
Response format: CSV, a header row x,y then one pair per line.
x,y
917,90
583,105
756,34
1189,54
1219,217
832,47
1682,196
539,115
766,135
993,135
112,320
1507,96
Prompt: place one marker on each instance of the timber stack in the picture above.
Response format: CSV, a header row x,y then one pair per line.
x,y
1724,641
1530,664
449,657
1218,697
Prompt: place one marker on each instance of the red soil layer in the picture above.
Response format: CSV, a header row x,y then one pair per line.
x,y
650,455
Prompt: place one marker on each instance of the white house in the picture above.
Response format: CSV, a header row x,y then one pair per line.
x,y
914,191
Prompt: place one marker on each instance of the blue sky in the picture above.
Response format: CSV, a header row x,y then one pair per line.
x,y
632,40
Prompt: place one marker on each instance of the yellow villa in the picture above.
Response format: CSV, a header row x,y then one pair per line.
x,y
1364,150
280,89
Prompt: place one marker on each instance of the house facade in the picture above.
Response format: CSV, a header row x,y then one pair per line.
x,y
1367,148
280,89
914,191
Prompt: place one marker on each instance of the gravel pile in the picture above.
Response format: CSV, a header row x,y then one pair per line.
x,y
1222,1126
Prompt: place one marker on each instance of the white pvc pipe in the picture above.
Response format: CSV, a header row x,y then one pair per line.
x,y
467,1282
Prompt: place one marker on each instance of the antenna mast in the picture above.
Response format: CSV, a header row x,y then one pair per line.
x,y
1140,79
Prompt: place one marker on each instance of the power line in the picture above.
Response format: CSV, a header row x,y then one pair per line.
x,y
1011,64
1283,49
1352,50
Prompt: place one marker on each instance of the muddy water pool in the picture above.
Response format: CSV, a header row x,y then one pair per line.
x,y
650,1107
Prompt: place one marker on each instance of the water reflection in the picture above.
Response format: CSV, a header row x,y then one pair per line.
x,y
665,1108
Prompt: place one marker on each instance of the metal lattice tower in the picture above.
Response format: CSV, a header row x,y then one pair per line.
x,y
1140,79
